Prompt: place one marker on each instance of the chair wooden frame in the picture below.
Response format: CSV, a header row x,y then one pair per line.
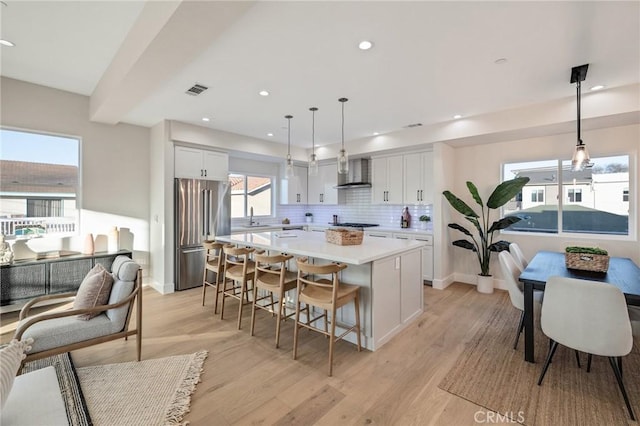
x,y
272,275
238,267
313,292
136,294
213,263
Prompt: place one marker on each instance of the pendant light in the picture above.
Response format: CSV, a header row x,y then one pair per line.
x,y
343,157
288,171
580,158
313,160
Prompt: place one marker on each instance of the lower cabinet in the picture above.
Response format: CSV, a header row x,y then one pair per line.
x,y
25,280
397,294
427,252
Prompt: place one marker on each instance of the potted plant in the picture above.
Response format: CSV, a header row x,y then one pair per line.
x,y
424,219
482,243
309,217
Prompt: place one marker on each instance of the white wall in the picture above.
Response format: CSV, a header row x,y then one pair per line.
x,y
482,165
114,163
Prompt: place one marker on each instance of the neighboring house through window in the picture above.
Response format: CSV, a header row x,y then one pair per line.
x,y
39,181
251,191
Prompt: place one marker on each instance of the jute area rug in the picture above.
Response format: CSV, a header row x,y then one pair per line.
x,y
149,392
491,374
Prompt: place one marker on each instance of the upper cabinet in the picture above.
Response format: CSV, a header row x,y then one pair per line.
x,y
294,189
418,178
386,180
194,163
321,188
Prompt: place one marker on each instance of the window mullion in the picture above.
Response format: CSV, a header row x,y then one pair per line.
x,y
560,197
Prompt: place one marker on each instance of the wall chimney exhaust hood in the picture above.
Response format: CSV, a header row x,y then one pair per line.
x,y
358,176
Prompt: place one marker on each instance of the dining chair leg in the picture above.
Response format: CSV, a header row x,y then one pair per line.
x,y
332,340
204,286
243,294
589,363
270,301
578,359
253,310
620,365
295,328
552,350
519,331
224,296
616,371
278,316
218,283
356,302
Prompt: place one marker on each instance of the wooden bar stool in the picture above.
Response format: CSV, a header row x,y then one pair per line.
x,y
272,276
327,294
213,262
238,268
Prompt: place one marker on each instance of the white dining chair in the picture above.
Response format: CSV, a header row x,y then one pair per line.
x,y
518,256
511,272
587,316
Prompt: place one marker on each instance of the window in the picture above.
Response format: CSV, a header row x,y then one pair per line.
x,y
251,192
537,196
575,195
591,203
38,184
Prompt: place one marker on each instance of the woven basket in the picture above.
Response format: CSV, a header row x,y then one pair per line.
x,y
587,261
344,237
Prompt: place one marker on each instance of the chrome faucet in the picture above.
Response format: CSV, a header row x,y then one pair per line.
x,y
251,216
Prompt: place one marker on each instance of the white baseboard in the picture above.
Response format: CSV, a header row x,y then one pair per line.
x,y
473,280
160,288
443,283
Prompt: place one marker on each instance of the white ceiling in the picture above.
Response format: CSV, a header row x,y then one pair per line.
x,y
430,60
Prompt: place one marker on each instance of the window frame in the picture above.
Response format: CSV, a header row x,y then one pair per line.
x,y
245,198
78,196
633,202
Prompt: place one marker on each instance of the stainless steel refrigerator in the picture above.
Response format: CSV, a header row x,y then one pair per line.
x,y
202,211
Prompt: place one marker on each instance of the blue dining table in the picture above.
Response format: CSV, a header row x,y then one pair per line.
x,y
622,272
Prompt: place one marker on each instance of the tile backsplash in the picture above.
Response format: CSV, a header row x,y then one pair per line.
x,y
357,208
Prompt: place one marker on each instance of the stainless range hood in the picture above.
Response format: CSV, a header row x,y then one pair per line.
x,y
358,176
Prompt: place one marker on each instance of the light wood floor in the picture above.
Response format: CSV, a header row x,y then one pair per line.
x,y
246,381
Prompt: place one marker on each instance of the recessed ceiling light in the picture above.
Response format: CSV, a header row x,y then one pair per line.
x,y
206,119
6,43
457,116
365,45
500,61
263,93
598,87
375,133
270,134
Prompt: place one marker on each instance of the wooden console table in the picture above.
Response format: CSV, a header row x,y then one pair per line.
x,y
26,279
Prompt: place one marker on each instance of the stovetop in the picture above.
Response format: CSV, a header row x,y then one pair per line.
x,y
357,225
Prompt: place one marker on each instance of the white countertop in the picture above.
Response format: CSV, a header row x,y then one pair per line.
x,y
314,244
278,226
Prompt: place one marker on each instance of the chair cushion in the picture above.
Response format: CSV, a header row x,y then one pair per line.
x,y
35,400
119,291
11,357
124,268
94,291
57,332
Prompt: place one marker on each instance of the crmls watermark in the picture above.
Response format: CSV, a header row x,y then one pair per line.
x,y
491,417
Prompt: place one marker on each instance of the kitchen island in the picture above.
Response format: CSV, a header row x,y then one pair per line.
x,y
389,273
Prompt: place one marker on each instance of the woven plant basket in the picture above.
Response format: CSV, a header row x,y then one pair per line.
x,y
587,262
344,237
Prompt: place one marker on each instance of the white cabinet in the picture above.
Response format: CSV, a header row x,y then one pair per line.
x,y
194,163
427,252
321,188
294,189
397,294
418,178
386,180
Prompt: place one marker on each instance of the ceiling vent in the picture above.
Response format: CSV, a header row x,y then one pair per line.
x,y
408,126
196,89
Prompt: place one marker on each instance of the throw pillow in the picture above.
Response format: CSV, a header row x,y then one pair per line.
x,y
11,357
94,291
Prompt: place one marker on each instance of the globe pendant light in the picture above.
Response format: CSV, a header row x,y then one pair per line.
x,y
313,160
288,171
580,158
343,157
